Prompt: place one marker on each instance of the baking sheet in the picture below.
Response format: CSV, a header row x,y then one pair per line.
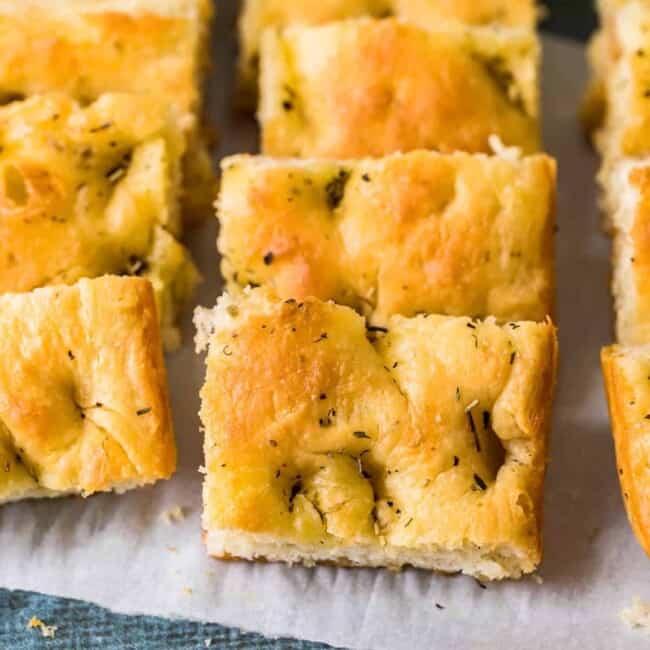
x,y
120,552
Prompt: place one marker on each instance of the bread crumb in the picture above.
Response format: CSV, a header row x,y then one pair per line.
x,y
202,470
471,406
174,515
537,578
499,149
187,591
48,631
172,549
637,616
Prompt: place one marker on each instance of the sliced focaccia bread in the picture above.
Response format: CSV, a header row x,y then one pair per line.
x,y
91,191
455,234
83,395
422,443
623,62
258,15
87,48
627,382
371,87
628,203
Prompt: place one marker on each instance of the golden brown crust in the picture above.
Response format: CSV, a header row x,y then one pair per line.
x,y
371,87
640,256
621,60
258,15
90,191
376,235
447,453
87,49
626,372
83,396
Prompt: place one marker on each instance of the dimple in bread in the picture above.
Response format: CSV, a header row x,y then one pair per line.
x,y
88,48
372,87
91,191
626,371
258,15
423,443
452,234
83,396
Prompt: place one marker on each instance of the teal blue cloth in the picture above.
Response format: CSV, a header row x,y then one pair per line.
x,y
85,627
82,626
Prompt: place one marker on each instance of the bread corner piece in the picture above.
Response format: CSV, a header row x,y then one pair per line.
x,y
621,56
442,88
83,395
86,49
93,190
420,444
626,371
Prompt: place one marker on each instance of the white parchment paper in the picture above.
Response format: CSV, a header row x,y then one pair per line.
x,y
120,553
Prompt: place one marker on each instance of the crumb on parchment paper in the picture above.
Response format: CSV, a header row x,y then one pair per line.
x,y
47,631
637,616
177,513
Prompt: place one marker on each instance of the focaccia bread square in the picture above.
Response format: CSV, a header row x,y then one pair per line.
x,y
258,15
622,60
83,395
91,191
372,87
628,206
456,234
626,371
423,443
87,48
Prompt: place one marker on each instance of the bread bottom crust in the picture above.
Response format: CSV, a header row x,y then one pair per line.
x,y
481,563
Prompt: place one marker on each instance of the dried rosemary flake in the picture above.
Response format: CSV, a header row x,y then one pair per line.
x,y
472,427
102,127
115,173
480,482
335,189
